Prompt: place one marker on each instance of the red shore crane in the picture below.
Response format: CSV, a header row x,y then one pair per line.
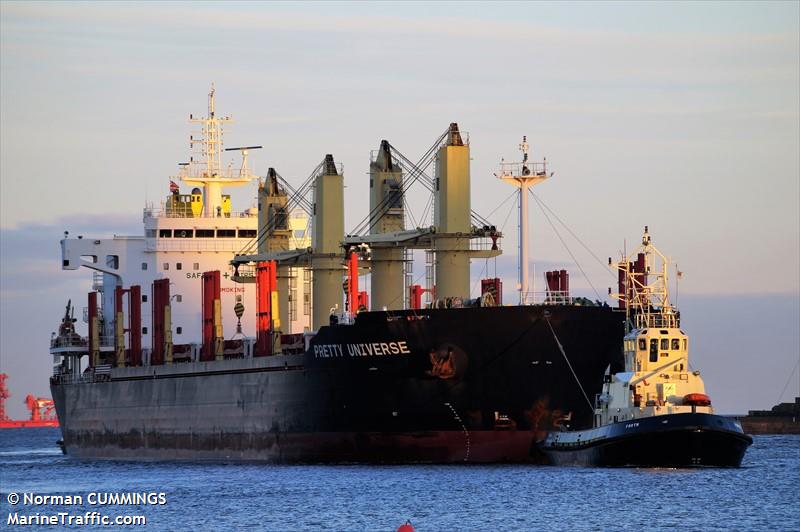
x,y
42,410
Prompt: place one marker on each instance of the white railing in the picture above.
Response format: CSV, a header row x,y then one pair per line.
x,y
547,298
520,169
163,212
72,341
71,378
485,244
666,319
232,245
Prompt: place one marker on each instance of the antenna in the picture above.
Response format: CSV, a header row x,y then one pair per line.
x,y
244,149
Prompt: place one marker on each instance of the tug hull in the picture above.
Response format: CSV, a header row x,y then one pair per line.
x,y
673,440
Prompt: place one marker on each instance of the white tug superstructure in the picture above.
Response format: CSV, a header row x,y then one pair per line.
x,y
184,236
657,379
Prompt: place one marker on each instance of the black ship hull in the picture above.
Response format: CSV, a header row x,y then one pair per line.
x,y
447,385
675,440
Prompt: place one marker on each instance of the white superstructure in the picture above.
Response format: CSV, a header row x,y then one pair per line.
x,y
657,378
184,236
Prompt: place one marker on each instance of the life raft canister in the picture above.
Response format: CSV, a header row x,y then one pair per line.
x,y
697,399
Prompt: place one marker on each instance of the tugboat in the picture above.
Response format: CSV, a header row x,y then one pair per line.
x,y
656,412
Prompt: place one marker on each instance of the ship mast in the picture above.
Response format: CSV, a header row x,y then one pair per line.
x,y
523,175
209,173
644,287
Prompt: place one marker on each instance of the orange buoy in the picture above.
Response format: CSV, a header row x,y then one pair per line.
x,y
406,527
697,399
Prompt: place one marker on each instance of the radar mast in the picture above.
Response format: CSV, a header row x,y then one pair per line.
x,y
209,173
523,175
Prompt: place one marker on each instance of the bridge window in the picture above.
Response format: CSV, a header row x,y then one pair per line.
x,y
653,350
664,342
184,233
676,344
165,233
226,233
247,233
112,261
642,344
204,233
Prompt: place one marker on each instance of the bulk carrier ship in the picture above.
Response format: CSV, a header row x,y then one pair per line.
x,y
227,335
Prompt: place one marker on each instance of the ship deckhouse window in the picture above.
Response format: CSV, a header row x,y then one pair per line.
x,y
204,233
184,233
178,298
642,344
165,233
664,341
178,266
196,266
226,233
166,265
653,350
144,266
685,345
676,344
144,330
247,233
179,330
144,298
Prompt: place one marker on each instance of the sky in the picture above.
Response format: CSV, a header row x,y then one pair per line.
x,y
683,116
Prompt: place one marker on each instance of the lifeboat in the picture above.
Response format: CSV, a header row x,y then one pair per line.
x,y
697,399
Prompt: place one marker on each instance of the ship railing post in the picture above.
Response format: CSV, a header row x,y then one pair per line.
x,y
219,340
275,323
135,324
119,327
94,331
167,333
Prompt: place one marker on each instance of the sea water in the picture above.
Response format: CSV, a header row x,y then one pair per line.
x,y
763,494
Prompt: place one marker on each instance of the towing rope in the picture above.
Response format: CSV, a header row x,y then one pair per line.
x,y
561,348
